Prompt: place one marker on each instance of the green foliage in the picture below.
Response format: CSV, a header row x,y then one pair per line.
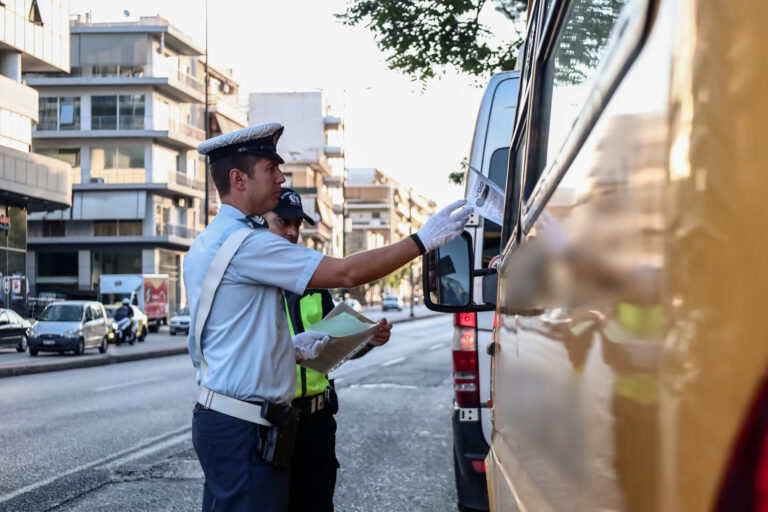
x,y
584,39
456,177
423,37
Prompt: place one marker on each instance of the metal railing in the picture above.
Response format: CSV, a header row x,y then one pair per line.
x,y
176,230
129,122
116,176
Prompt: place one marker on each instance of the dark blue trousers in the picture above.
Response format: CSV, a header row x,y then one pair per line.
x,y
236,479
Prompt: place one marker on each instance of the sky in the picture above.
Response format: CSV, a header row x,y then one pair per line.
x,y
416,136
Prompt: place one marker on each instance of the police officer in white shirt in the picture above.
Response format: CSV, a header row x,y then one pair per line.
x,y
239,339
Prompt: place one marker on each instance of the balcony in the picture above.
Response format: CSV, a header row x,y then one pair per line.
x,y
333,151
113,232
167,78
176,134
332,121
18,98
170,183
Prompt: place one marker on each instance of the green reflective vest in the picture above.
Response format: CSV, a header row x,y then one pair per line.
x,y
308,381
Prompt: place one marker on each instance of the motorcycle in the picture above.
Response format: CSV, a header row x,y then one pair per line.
x,y
125,330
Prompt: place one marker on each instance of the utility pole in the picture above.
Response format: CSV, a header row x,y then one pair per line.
x,y
410,232
207,121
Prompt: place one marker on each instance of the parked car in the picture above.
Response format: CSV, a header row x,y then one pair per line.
x,y
140,318
180,321
14,330
354,304
392,302
70,325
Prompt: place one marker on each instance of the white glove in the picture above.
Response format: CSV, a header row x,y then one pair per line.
x,y
444,226
309,344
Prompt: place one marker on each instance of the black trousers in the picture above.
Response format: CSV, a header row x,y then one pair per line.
x,y
313,471
236,479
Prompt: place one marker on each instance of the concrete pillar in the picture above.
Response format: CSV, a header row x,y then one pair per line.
x,y
85,163
85,112
84,270
10,65
31,273
149,261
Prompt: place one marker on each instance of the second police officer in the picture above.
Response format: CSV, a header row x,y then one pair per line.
x,y
313,470
240,344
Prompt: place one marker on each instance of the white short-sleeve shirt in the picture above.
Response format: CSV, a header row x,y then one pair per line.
x,y
246,342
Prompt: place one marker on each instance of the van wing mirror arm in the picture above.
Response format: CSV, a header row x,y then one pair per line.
x,y
490,284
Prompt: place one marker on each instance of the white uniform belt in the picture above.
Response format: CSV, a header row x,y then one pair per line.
x,y
231,406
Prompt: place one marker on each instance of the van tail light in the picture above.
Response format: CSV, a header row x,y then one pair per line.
x,y
464,320
465,370
745,486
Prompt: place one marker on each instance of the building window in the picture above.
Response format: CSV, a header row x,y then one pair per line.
x,y
105,228
53,228
59,113
104,112
110,112
118,164
131,114
129,228
162,218
47,116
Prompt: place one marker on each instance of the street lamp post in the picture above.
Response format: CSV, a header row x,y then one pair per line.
x,y
410,232
207,121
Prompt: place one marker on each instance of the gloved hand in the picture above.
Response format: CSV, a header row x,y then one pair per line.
x,y
309,344
444,226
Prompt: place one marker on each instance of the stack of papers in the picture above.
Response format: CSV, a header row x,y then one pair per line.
x,y
349,332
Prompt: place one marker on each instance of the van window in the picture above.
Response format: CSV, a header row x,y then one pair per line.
x,y
492,231
569,69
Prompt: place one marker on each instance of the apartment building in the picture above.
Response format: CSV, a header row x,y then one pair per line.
x,y
312,146
224,115
381,211
128,119
34,36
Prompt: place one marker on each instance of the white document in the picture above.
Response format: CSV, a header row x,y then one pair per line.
x,y
485,196
349,332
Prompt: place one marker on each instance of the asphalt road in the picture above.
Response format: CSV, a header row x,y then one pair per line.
x,y
117,437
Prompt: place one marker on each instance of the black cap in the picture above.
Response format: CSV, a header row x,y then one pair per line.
x,y
289,206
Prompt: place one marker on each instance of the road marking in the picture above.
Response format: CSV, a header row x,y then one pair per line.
x,y
394,361
149,450
384,385
436,346
141,446
129,383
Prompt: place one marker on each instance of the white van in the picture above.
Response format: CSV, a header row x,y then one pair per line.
x,y
471,363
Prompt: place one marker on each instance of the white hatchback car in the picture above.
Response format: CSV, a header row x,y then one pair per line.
x,y
180,322
70,325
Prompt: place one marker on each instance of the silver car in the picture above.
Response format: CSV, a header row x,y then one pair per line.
x,y
70,325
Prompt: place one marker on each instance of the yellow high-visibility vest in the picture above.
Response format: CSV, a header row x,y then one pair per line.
x,y
309,382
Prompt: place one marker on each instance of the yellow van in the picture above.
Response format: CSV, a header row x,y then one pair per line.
x,y
631,336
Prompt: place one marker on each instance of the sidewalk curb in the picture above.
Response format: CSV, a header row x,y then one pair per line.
x,y
106,359
88,362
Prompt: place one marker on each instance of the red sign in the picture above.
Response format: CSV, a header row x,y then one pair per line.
x,y
5,222
494,263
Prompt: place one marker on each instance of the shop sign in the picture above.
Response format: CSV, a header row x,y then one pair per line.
x,y
5,223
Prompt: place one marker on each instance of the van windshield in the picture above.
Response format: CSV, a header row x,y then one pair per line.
x,y
116,298
62,313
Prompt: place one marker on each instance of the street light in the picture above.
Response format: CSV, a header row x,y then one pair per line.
x,y
207,121
410,232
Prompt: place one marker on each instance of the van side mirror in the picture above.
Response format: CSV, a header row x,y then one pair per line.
x,y
449,278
